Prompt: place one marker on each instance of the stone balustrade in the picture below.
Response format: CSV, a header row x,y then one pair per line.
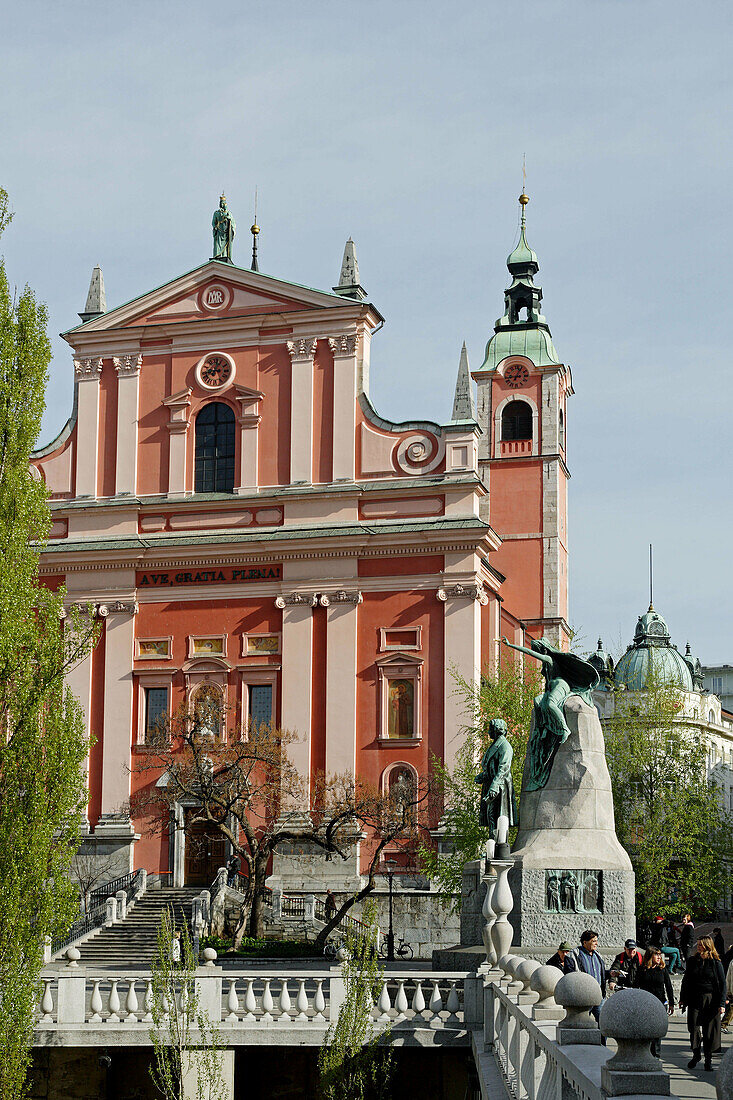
x,y
75,1005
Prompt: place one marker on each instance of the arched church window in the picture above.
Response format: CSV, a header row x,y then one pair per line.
x,y
214,454
562,430
516,421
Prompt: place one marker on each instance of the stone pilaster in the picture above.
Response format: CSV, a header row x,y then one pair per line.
x,y
128,384
341,643
297,674
87,373
462,640
302,353
344,350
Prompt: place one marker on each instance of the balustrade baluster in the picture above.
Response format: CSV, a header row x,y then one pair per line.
x,y
319,1002
401,1000
267,1003
250,1001
384,1005
184,998
166,1006
301,1002
148,1002
233,1002
47,1002
131,1004
96,1003
453,1005
436,1005
114,1003
418,1002
285,1003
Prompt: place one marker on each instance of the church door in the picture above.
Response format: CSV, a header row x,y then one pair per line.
x,y
204,853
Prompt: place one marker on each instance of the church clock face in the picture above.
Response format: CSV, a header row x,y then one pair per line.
x,y
516,375
215,372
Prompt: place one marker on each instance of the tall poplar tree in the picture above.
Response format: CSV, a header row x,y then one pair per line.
x,y
42,737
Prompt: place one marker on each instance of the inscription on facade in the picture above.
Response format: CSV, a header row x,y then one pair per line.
x,y
227,575
573,891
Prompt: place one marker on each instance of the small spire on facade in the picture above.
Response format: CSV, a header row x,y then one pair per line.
x,y
96,299
464,405
348,284
254,230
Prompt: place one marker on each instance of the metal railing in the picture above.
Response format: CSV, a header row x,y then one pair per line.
x,y
94,918
128,883
347,921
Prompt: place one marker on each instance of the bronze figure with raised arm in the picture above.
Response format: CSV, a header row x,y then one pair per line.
x,y
564,674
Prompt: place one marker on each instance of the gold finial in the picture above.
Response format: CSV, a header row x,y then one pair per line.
x,y
524,197
254,230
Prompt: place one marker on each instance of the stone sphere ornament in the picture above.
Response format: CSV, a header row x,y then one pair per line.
x,y
209,956
544,979
633,1015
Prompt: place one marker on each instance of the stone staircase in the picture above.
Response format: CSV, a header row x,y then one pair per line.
x,y
133,942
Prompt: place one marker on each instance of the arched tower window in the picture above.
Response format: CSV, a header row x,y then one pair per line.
x,y
214,459
562,430
516,421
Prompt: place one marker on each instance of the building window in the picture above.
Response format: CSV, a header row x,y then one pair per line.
x,y
562,430
156,711
214,460
516,421
717,685
711,717
259,705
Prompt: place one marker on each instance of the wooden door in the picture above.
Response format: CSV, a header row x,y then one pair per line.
x,y
204,853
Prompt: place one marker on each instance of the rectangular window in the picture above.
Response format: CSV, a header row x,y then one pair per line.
x,y
156,710
259,704
717,685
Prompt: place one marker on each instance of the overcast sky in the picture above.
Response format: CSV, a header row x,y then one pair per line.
x,y
403,124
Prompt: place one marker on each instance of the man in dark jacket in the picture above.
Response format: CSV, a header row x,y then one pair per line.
x,y
590,962
563,958
626,965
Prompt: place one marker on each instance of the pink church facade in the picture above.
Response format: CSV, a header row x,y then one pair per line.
x,y
247,526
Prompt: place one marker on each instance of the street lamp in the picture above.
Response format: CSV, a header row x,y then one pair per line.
x,y
390,865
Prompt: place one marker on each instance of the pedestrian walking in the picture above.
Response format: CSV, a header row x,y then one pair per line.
x,y
233,865
653,976
687,932
590,962
728,1014
563,958
625,966
330,905
703,994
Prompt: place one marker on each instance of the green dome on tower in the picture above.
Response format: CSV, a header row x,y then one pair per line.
x,y
652,652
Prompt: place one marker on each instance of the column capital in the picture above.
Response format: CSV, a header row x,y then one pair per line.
x,y
88,368
463,592
291,599
341,596
128,366
343,346
302,350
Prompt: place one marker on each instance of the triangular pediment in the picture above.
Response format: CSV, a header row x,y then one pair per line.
x,y
214,291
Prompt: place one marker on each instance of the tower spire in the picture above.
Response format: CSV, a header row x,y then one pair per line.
x,y
254,230
348,284
96,298
464,405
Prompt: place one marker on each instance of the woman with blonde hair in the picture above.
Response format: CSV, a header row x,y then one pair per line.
x,y
703,992
653,976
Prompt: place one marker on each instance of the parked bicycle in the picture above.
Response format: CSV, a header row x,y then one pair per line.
x,y
335,948
403,950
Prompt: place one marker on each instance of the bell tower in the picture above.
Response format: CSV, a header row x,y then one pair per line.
x,y
522,393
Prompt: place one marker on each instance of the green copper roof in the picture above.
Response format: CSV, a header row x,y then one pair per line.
x,y
535,343
652,649
522,254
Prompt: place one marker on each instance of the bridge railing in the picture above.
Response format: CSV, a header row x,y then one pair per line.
x,y
79,1000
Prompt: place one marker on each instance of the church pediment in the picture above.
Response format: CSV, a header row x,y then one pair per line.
x,y
214,291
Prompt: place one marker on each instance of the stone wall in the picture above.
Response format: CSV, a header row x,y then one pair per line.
x,y
423,918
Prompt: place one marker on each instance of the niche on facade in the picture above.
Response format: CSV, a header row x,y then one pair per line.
x,y
400,691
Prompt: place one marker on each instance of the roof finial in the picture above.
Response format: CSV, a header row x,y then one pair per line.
x,y
254,230
651,577
349,285
524,197
464,405
96,300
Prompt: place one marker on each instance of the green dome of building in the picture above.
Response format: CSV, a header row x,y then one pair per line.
x,y
652,651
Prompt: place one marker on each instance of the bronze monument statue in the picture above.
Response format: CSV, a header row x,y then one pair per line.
x,y
495,777
565,674
224,229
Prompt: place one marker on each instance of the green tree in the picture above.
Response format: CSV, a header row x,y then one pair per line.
x,y
669,817
355,1061
507,693
187,1045
42,737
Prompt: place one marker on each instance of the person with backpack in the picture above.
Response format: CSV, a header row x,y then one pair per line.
x,y
703,994
625,966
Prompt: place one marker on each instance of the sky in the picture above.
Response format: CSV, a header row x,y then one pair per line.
x,y
404,125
